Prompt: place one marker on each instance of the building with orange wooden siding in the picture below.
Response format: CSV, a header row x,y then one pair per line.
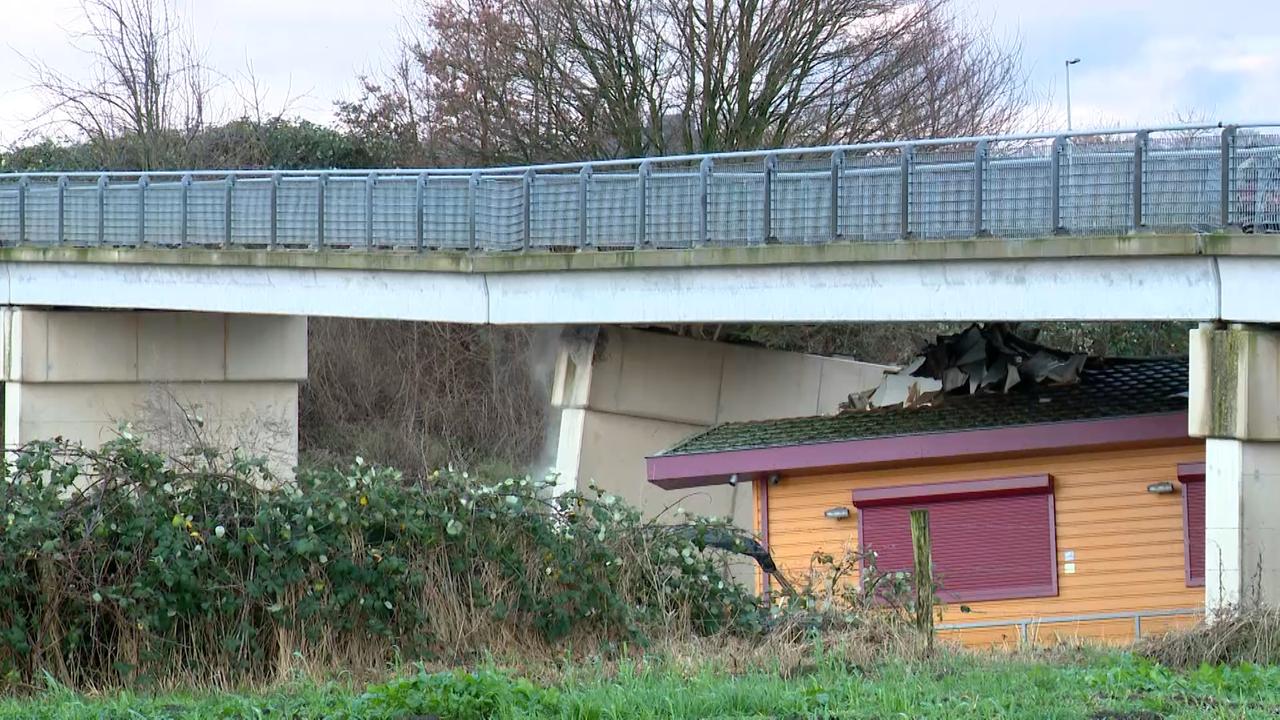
x,y
1057,512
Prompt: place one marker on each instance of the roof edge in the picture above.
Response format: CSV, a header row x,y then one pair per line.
x,y
673,472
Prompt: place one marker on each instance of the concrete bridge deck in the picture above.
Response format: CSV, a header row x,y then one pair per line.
x,y
1178,276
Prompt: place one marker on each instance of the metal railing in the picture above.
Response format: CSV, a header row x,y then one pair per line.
x,y
1024,625
1196,178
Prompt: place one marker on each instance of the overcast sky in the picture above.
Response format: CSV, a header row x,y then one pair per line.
x,y
1142,61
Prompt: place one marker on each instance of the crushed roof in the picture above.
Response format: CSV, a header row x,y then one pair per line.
x,y
1108,388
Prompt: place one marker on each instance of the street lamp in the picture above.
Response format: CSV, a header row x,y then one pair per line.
x,y
1068,65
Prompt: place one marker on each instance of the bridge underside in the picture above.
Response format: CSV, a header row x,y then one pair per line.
x,y
1143,277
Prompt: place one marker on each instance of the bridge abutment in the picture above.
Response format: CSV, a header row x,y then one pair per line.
x,y
1235,405
178,378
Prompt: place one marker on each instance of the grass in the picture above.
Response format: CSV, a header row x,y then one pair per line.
x,y
1092,685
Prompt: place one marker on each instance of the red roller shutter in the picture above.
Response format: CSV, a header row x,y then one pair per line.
x,y
1192,479
992,539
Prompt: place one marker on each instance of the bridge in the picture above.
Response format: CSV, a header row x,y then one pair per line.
x,y
1159,223
1173,223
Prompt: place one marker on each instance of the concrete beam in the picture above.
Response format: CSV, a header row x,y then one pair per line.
x,y
1149,288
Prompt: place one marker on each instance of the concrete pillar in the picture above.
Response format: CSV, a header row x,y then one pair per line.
x,y
625,394
178,378
1235,404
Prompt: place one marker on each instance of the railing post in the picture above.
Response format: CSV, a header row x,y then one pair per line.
x,y
904,194
837,173
1055,184
1228,175
228,205
473,189
526,209
770,170
144,182
273,240
183,212
322,187
584,181
1139,157
61,235
642,203
102,209
23,183
419,210
704,200
370,183
979,172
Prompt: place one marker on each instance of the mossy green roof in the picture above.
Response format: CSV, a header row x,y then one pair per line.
x,y
1108,389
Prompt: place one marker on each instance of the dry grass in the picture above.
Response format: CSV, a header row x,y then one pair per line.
x,y
1234,635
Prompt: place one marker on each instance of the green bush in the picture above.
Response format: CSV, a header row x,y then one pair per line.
x,y
124,566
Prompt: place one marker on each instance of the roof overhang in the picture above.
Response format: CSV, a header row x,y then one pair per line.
x,y
673,472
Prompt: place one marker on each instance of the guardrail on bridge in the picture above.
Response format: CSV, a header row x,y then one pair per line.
x,y
1197,178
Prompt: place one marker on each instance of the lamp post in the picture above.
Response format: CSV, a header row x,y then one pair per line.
x,y
1068,65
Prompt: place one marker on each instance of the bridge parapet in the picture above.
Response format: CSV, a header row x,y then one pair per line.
x,y
1186,178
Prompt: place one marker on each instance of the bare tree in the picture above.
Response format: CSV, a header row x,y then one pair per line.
x,y
552,79
146,80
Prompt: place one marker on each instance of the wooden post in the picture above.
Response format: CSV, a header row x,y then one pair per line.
x,y
922,547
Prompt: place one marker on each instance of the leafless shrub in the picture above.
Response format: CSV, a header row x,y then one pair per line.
x,y
423,395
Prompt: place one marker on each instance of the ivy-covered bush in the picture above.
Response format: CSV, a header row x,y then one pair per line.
x,y
120,565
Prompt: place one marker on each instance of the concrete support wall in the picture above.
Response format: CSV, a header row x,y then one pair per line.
x,y
1235,403
176,377
626,394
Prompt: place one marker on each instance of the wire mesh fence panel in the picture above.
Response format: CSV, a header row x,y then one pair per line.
x,y
1017,192
42,213
673,208
9,222
120,219
250,212
500,213
1255,181
941,193
344,212
297,212
735,204
395,201
80,215
553,212
1182,181
802,200
1097,185
612,209
162,214
871,197
447,213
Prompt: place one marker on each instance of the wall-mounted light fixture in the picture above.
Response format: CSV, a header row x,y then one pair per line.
x,y
1160,488
733,480
774,478
837,513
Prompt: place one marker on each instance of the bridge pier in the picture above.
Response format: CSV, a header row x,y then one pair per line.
x,y
1235,405
622,395
178,378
